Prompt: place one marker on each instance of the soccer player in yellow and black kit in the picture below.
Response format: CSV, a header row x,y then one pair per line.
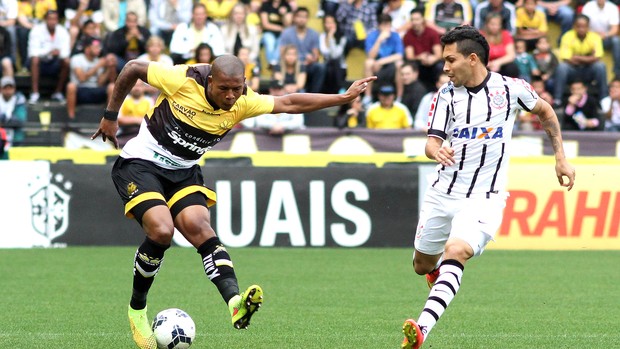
x,y
160,182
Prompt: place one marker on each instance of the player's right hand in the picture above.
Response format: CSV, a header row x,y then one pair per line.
x,y
107,130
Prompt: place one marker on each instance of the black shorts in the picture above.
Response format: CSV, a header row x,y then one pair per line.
x,y
142,184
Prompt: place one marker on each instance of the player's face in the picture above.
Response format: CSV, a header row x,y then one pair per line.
x,y
224,90
456,66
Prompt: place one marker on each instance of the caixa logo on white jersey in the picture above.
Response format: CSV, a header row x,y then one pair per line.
x,y
50,208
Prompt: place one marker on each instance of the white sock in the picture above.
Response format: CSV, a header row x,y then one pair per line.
x,y
440,296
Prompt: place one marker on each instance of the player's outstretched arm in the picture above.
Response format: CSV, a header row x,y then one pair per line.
x,y
297,103
551,125
132,71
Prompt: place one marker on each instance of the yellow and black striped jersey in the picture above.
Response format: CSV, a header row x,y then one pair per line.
x,y
183,124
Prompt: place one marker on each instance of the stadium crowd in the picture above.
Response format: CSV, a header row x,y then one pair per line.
x,y
83,45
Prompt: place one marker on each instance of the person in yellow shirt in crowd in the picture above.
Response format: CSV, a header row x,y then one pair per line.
x,y
132,112
531,23
219,10
387,113
580,56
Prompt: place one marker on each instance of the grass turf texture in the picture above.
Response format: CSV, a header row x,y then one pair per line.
x,y
314,298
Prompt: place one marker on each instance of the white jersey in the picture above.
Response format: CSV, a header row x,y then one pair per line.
x,y
478,123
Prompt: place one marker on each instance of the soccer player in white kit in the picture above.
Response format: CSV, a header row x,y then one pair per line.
x,y
470,127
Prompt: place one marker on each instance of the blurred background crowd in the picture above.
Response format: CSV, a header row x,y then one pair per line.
x,y
569,50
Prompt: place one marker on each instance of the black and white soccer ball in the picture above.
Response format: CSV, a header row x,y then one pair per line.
x,y
174,329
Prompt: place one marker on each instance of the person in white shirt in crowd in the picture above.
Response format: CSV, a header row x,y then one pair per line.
x,y
92,77
115,12
604,20
49,46
238,33
400,11
424,108
276,124
166,15
187,36
610,106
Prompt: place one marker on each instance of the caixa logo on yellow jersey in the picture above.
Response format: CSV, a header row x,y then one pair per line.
x,y
478,133
178,139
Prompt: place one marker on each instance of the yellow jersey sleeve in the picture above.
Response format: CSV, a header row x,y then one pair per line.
x,y
166,78
253,104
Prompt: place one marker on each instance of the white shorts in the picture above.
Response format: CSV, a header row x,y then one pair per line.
x,y
474,220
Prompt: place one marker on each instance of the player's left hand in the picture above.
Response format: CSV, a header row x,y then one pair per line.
x,y
358,87
107,130
564,169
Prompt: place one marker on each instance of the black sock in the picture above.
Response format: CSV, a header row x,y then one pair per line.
x,y
147,262
219,267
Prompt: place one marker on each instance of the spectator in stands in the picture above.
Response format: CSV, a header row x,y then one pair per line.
x,y
127,42
505,9
423,47
424,109
275,15
610,106
356,18
6,55
527,120
219,10
252,68
48,52
413,89
203,54
443,15
384,56
604,20
12,113
332,44
387,113
525,61
580,56
166,15
132,112
546,61
559,11
8,20
92,77
29,13
531,23
89,30
581,111
155,51
238,33
115,13
187,36
400,11
501,45
78,12
307,42
291,72
351,115
276,124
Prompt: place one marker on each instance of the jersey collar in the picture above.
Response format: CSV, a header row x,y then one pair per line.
x,y
477,89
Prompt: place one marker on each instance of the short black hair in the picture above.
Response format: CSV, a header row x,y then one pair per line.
x,y
468,40
385,18
419,10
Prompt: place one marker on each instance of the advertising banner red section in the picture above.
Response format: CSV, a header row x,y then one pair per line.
x,y
542,215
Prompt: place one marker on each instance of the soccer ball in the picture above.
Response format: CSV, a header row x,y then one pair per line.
x,y
174,329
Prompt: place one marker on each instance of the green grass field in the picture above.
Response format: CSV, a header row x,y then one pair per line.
x,y
314,298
